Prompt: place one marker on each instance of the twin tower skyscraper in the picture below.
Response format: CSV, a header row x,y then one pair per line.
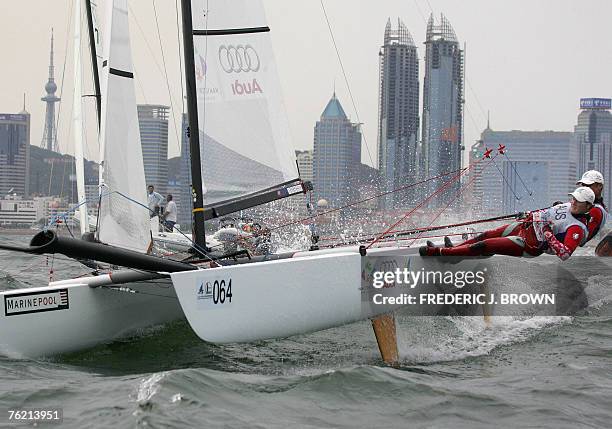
x,y
408,154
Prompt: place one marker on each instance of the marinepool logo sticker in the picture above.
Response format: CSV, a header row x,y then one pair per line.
x,y
35,302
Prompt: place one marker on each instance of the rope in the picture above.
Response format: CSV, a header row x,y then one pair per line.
x,y
439,190
348,87
178,141
457,194
300,221
507,183
530,192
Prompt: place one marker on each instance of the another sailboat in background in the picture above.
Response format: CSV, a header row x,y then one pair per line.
x,y
82,312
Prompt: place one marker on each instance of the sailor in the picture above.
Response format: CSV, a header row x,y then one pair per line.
x,y
154,200
558,230
170,214
599,213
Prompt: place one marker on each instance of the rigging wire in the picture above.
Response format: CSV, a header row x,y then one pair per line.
x,y
348,87
178,141
457,194
180,61
420,11
436,192
529,191
506,182
301,220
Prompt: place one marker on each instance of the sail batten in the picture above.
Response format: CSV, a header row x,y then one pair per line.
x,y
228,31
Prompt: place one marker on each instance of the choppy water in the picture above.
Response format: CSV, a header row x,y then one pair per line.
x,y
455,372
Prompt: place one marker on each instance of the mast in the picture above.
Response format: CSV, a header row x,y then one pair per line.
x,y
94,59
193,130
77,117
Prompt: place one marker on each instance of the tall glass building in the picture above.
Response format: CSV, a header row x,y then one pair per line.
x,y
442,141
337,156
15,154
153,122
398,114
593,134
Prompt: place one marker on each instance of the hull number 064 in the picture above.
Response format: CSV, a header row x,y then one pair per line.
x,y
217,291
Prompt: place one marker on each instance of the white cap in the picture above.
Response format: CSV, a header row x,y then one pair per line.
x,y
583,194
590,177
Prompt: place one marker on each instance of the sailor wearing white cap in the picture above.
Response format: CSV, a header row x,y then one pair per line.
x,y
559,230
599,213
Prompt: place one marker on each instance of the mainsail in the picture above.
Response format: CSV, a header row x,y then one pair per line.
x,y
244,133
123,222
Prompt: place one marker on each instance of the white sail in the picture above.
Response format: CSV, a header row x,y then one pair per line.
x,y
77,118
123,222
245,140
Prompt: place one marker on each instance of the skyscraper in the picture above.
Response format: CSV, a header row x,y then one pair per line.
x,y
153,122
593,134
49,140
15,154
337,156
442,142
398,114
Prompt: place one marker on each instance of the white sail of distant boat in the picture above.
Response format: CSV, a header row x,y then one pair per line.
x,y
124,219
77,117
245,140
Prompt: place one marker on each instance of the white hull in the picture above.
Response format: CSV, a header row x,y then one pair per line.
x,y
93,316
274,299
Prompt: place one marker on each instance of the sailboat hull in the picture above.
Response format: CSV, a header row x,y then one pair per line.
x,y
274,299
47,321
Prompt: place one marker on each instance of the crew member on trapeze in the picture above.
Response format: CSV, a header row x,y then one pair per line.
x,y
557,230
598,215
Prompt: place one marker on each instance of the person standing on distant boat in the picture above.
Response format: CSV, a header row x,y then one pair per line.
x,y
155,200
599,213
170,214
558,230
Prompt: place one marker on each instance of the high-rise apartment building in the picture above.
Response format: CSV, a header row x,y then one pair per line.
x,y
15,154
442,141
153,122
337,156
593,134
398,114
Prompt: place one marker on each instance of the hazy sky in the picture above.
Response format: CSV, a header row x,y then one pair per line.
x,y
527,61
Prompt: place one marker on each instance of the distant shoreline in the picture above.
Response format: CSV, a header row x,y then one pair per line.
x,y
31,232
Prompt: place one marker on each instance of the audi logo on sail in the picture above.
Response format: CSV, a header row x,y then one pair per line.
x,y
239,58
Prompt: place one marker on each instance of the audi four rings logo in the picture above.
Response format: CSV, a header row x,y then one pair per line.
x,y
239,58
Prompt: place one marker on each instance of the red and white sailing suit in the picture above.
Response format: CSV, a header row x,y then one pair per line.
x,y
553,230
598,217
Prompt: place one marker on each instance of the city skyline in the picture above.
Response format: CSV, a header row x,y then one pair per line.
x,y
531,79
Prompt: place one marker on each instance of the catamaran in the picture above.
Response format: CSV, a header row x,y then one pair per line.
x,y
235,110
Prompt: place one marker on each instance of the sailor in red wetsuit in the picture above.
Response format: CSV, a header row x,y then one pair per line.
x,y
598,215
558,230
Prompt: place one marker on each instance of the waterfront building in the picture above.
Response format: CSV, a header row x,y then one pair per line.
x,y
15,154
153,122
443,92
398,115
336,156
